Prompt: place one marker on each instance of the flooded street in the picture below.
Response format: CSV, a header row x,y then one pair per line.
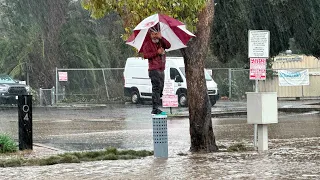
x,y
294,145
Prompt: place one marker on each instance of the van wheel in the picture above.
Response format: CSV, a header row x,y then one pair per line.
x,y
183,102
135,97
213,102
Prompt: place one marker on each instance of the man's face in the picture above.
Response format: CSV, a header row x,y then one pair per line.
x,y
154,36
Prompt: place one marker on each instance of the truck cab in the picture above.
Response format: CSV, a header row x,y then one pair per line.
x,y
11,89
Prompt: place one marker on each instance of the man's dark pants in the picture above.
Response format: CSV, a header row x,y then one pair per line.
x,y
157,81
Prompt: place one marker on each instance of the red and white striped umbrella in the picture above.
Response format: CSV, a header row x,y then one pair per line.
x,y
171,29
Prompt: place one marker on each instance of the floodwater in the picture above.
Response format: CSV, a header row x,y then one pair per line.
x,y
294,146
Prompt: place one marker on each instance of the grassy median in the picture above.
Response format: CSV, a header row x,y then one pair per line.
x,y
77,157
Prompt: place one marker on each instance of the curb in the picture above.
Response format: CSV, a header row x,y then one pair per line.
x,y
58,107
299,110
244,113
213,115
47,147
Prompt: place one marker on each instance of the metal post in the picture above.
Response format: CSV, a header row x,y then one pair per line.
x,y
105,83
25,122
263,137
230,82
56,85
52,95
63,92
255,131
40,96
27,73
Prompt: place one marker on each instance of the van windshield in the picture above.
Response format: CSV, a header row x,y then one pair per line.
x,y
206,74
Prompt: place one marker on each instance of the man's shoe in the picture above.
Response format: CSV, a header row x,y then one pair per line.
x,y
156,111
163,113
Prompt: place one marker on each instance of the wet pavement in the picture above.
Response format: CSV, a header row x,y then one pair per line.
x,y
294,145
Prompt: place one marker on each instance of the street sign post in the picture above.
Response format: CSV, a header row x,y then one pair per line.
x,y
258,52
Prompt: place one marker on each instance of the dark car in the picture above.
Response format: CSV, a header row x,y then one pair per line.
x,y
11,89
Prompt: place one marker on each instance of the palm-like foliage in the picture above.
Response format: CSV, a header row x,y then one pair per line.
x,y
44,34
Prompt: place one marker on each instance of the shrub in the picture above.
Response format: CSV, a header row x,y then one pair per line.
x,y
7,144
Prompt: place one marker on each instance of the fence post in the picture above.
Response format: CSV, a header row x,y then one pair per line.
x,y
56,85
230,82
63,92
52,95
105,83
40,97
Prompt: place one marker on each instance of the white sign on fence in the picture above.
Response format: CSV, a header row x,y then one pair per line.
x,y
258,68
170,100
168,87
293,78
63,76
259,42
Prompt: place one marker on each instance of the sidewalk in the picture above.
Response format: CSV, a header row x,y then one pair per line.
x,y
226,108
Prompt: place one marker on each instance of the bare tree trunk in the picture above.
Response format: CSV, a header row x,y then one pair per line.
x,y
201,131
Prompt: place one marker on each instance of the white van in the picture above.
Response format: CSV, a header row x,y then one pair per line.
x,y
137,83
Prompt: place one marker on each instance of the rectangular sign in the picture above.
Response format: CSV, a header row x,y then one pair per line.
x,y
170,100
259,43
63,76
168,87
258,68
293,77
288,58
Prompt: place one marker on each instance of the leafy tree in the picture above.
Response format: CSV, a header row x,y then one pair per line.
x,y
30,33
198,17
39,35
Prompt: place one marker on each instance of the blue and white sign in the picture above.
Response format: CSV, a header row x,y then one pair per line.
x,y
293,77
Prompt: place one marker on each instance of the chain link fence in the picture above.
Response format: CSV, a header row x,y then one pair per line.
x,y
46,97
233,83
89,85
106,85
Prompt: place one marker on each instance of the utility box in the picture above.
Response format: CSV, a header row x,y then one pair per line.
x,y
262,108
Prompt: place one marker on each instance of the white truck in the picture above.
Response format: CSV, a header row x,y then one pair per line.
x,y
137,84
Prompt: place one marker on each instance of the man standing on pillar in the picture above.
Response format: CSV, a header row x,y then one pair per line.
x,y
154,51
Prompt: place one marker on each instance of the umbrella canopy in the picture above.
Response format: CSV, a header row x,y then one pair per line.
x,y
171,29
